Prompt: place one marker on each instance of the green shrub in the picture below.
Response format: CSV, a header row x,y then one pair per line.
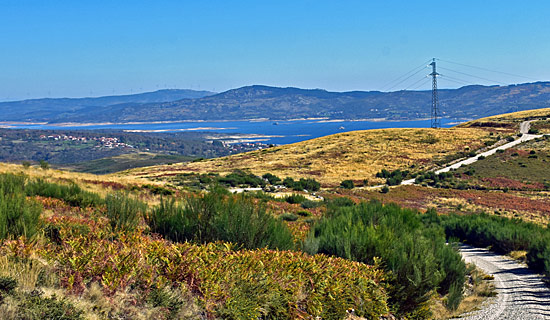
x,y
71,194
393,178
18,216
26,164
36,307
510,139
385,189
347,184
337,202
158,190
241,178
303,213
44,165
295,199
503,235
416,254
214,217
273,179
7,285
310,204
302,184
289,217
124,212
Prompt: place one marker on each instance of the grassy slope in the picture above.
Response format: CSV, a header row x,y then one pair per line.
x,y
509,120
125,162
354,155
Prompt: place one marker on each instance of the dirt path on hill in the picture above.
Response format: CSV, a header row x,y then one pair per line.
x,y
521,294
523,128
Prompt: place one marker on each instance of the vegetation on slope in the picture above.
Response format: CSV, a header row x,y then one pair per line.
x,y
103,244
354,156
416,256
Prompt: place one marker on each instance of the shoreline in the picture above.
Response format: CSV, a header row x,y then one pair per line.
x,y
14,124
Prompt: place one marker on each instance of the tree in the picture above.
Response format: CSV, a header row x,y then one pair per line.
x,y
347,184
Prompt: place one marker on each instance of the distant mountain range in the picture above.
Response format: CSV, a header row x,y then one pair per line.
x,y
57,109
255,102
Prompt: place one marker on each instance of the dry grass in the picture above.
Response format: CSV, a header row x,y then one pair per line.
x,y
354,155
509,119
101,184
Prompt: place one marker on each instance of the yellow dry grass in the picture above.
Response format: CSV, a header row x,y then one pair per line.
x,y
90,181
354,155
514,117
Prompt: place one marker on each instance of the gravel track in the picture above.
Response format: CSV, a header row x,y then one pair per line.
x,y
521,294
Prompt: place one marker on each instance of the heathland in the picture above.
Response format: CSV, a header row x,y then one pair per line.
x,y
170,242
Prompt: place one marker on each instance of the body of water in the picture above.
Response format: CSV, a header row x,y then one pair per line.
x,y
276,132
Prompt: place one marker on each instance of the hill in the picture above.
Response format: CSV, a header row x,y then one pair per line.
x,y
359,155
49,109
356,155
263,102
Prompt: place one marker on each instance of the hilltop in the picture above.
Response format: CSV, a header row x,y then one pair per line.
x,y
264,102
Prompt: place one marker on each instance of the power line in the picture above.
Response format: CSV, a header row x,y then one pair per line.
x,y
422,79
407,78
426,81
485,69
471,75
422,66
446,77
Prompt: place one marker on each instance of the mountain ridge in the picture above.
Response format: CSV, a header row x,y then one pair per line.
x,y
277,103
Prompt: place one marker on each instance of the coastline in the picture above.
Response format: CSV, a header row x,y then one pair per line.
x,y
12,124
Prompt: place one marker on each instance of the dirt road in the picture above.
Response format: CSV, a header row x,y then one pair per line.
x,y
521,294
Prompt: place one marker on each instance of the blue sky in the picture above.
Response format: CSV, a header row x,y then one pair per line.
x,y
91,48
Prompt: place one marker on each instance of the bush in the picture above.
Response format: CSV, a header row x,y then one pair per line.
x,y
302,184
393,178
303,213
214,217
7,285
124,213
242,178
503,235
295,199
481,157
71,194
273,179
18,216
310,204
26,164
337,202
44,165
36,307
158,190
416,254
289,217
347,184
385,189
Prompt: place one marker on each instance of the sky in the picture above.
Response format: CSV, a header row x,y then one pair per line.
x,y
81,48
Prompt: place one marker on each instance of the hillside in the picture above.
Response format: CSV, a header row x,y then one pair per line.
x,y
49,109
122,246
357,155
263,102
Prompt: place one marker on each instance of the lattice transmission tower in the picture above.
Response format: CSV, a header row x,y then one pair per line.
x,y
435,108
